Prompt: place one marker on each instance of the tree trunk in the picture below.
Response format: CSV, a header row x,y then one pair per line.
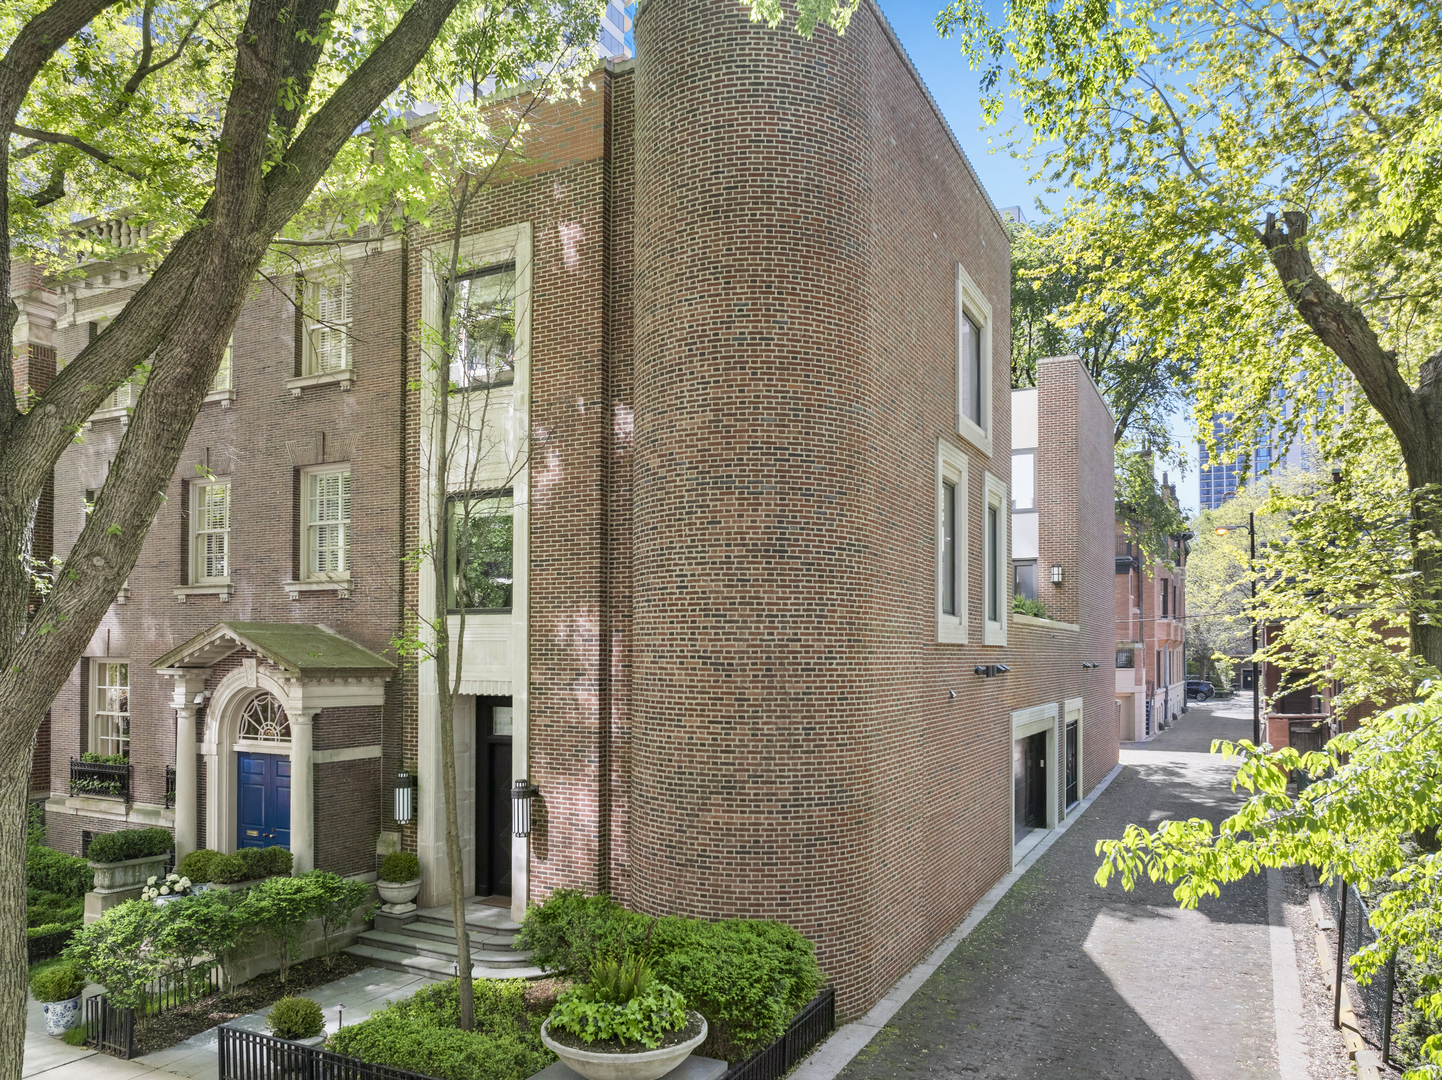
x,y
1414,416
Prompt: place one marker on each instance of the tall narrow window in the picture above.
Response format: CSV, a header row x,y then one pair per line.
x,y
485,331
327,524
112,708
971,371
479,551
948,548
224,374
993,554
210,517
331,310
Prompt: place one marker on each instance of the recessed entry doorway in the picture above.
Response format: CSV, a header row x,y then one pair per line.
x,y
493,796
1035,770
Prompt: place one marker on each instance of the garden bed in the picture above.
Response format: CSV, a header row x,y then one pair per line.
x,y
158,1032
621,1046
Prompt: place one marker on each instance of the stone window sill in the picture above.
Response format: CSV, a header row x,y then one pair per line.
x,y
225,397
223,589
341,587
123,415
345,376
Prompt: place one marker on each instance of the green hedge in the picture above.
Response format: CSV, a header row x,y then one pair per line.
x,y
129,844
420,1034
746,976
399,867
50,871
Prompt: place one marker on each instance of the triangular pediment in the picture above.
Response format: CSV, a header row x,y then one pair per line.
x,y
301,650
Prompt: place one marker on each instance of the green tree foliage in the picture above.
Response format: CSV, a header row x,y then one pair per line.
x,y
1075,289
1272,164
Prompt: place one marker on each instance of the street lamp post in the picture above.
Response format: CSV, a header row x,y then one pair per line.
x,y
1251,528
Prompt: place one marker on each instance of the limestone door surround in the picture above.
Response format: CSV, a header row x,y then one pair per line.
x,y
306,668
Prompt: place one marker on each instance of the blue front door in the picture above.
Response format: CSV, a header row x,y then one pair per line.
x,y
264,817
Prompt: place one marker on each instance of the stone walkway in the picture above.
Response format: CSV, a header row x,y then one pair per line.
x,y
1063,979
50,1059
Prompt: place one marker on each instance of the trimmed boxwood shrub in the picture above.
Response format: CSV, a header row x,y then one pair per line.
x,y
52,871
420,1034
129,844
58,983
248,864
295,1018
748,977
399,867
199,865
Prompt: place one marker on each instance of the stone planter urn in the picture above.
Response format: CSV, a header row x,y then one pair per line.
x,y
117,882
398,895
61,1016
647,1065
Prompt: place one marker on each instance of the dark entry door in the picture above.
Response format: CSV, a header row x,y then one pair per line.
x,y
493,797
1072,772
1029,778
263,817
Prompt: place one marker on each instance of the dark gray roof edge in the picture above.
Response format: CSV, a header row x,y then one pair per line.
x,y
875,8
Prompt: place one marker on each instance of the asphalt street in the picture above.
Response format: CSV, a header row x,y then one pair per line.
x,y
1065,979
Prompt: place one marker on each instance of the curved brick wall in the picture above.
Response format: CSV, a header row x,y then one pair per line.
x,y
754,767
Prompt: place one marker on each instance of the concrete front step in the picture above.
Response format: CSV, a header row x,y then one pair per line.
x,y
443,948
440,969
478,916
480,938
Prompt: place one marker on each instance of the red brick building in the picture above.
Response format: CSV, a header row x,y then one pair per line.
x,y
745,485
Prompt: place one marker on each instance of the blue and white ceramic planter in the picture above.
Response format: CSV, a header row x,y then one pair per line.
x,y
61,1016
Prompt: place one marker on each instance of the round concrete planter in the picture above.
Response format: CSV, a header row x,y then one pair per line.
x,y
647,1065
397,893
61,1016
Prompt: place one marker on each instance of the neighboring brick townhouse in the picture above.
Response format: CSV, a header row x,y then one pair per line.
x,y
744,617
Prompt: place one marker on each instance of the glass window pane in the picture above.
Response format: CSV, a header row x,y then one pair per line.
x,y
502,720
1024,580
328,523
1023,480
971,370
480,552
484,352
991,563
948,548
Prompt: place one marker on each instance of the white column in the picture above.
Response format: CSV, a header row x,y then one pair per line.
x,y
302,797
188,686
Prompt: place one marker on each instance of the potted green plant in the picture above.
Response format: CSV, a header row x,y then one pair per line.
x,y
622,1025
59,989
298,1019
399,883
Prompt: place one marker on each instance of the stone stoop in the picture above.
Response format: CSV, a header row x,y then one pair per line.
x,y
423,943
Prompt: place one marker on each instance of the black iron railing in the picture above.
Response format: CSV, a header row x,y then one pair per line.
x,y
249,1055
48,945
170,786
108,1028
100,778
807,1028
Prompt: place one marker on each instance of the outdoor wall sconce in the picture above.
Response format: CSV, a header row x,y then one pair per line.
x,y
1057,575
405,797
522,792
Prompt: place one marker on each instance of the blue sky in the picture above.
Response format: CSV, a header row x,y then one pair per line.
x,y
1006,180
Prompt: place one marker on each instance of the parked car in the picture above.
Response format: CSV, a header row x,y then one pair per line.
x,y
1199,689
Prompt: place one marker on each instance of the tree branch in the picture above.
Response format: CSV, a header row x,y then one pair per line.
x,y
58,138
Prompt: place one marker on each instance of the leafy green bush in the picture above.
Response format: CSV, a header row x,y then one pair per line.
x,y
295,1018
748,978
59,983
55,872
400,866
75,1036
228,869
199,865
129,844
623,1001
1021,605
45,908
270,861
343,897
420,1034
280,907
116,951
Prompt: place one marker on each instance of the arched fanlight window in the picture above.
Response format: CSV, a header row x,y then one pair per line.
x,y
264,721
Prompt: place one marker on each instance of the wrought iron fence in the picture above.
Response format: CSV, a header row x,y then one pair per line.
x,y
107,780
1354,933
48,945
170,786
109,1028
807,1028
249,1055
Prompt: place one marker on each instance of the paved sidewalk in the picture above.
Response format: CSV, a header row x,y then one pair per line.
x,y
1063,979
50,1059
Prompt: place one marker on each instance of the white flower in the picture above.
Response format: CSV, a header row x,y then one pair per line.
x,y
185,883
165,890
150,880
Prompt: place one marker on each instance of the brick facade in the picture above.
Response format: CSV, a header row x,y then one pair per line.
x,y
743,353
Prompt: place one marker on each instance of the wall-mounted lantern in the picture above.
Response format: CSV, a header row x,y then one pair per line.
x,y
405,797
522,792
1058,575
